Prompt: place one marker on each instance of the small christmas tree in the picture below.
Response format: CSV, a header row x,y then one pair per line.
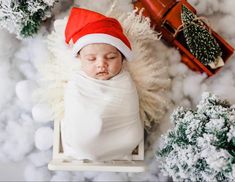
x,y
199,40
201,146
24,17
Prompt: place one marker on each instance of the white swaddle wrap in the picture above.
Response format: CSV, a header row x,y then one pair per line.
x,y
101,120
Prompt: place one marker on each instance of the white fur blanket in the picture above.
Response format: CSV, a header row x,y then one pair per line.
x,y
101,119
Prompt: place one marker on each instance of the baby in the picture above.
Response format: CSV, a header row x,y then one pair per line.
x,y
101,119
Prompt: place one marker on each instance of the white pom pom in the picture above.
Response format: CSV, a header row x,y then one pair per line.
x,y
24,90
44,138
42,113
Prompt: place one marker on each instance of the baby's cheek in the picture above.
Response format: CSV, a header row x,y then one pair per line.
x,y
116,67
89,70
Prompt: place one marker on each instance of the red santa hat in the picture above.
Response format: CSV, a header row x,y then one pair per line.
x,y
85,27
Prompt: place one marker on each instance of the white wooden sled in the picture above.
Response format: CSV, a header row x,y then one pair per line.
x,y
61,162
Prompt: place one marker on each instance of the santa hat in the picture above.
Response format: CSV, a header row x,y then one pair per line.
x,y
85,27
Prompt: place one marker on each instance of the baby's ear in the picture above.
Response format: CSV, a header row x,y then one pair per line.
x,y
124,59
78,55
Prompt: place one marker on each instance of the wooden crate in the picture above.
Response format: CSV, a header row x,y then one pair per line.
x,y
61,162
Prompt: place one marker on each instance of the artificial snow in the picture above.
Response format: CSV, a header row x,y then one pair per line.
x,y
18,140
33,173
40,158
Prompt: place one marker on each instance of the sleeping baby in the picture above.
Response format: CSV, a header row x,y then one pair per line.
x,y
101,120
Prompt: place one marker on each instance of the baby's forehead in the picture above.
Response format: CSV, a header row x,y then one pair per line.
x,y
99,47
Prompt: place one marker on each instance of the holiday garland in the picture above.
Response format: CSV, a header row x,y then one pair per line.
x,y
201,146
24,17
200,41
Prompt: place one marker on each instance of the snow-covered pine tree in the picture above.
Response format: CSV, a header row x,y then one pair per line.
x,y
199,40
201,146
24,17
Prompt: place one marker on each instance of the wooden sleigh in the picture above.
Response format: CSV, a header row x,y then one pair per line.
x,y
62,162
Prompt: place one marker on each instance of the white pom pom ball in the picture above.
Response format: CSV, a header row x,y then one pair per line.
x,y
24,90
43,138
42,113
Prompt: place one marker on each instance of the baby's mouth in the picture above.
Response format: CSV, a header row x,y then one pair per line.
x,y
102,73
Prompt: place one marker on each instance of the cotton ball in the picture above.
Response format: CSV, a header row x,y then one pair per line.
x,y
42,113
23,53
227,21
193,2
27,70
7,79
32,173
172,55
144,177
177,92
103,5
192,86
43,138
149,154
204,87
40,158
78,176
24,90
228,7
164,125
223,85
6,87
185,103
224,91
3,137
154,173
61,176
110,177
206,7
226,79
178,69
90,174
36,49
231,63
19,140
26,117
8,43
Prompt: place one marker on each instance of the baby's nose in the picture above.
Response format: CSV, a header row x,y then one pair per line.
x,y
102,64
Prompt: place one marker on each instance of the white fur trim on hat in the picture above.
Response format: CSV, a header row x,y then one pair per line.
x,y
102,38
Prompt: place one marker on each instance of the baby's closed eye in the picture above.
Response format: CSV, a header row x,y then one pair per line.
x,y
90,58
111,56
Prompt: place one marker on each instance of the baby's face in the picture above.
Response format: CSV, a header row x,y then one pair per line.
x,y
100,61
